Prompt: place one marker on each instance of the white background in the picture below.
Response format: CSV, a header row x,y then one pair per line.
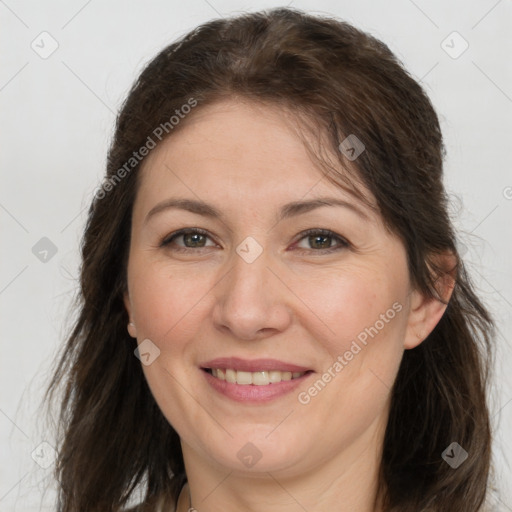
x,y
57,117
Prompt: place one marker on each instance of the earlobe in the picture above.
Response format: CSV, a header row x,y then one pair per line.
x,y
426,311
132,330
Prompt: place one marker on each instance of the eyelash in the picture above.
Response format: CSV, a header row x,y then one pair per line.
x,y
342,243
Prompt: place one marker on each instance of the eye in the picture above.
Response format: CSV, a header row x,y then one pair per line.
x,y
189,238
321,240
316,240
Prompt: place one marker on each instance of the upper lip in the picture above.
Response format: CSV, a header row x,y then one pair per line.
x,y
253,365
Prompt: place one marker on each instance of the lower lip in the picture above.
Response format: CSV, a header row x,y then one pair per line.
x,y
251,392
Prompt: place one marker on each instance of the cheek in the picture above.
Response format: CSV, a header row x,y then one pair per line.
x,y
166,301
363,325
169,306
362,341
356,305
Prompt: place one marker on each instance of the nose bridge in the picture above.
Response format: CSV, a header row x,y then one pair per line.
x,y
247,301
247,284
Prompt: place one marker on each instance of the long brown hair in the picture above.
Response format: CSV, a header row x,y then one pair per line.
x,y
114,439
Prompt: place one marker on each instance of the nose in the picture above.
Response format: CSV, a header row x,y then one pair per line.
x,y
251,302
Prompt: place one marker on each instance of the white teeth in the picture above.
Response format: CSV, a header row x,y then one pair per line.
x,y
274,376
262,378
243,378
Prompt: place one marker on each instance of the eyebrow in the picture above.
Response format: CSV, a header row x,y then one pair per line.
x,y
289,210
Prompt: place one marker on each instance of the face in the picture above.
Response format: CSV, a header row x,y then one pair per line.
x,y
273,307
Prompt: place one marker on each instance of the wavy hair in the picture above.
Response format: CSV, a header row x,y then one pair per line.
x,y
113,439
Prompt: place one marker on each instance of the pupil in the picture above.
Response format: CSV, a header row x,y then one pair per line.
x,y
322,240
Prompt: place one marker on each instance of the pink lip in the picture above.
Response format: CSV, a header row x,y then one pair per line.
x,y
253,365
252,393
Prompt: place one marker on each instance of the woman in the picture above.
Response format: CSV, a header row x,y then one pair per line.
x,y
273,312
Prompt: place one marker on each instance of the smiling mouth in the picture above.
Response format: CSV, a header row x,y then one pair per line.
x,y
261,378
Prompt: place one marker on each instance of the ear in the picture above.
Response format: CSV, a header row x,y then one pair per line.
x,y
132,330
426,311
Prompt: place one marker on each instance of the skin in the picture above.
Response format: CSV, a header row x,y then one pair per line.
x,y
295,302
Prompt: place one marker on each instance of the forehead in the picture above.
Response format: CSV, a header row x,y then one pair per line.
x,y
254,150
